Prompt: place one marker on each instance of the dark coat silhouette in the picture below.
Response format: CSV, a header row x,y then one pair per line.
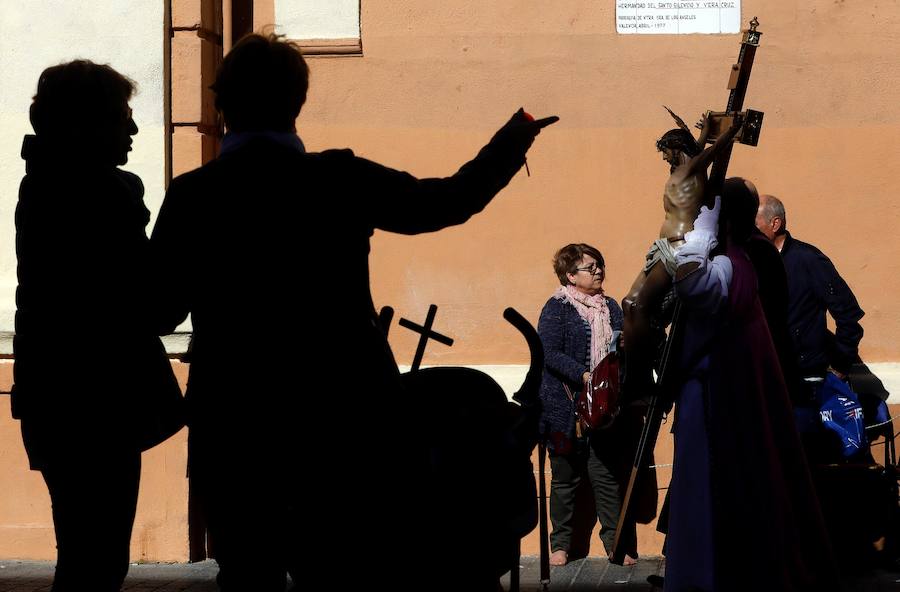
x,y
738,458
88,362
294,396
773,296
83,298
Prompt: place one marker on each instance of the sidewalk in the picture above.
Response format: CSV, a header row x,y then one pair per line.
x,y
36,576
592,573
599,575
578,576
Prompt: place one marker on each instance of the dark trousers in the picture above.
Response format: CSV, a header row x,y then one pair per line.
x,y
250,508
250,536
94,502
587,461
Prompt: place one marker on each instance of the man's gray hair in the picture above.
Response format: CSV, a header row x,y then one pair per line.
x,y
773,208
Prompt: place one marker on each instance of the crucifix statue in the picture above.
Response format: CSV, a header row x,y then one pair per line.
x,y
650,303
684,192
686,189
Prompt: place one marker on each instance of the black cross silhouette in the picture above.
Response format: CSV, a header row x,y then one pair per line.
x,y
426,334
385,316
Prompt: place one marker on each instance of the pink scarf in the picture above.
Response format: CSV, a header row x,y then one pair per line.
x,y
595,311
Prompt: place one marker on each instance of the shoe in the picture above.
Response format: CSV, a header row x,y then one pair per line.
x,y
559,557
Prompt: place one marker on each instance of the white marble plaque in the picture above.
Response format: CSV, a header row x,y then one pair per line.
x,y
317,19
678,17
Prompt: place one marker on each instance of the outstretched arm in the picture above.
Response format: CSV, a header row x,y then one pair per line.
x,y
702,161
399,202
705,127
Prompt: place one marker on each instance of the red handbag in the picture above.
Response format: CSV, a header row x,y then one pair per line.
x,y
598,402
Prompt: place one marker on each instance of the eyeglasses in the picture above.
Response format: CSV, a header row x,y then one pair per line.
x,y
592,269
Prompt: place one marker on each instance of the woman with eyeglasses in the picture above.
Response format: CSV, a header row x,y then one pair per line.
x,y
578,326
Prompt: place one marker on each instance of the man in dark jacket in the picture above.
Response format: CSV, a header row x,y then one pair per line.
x,y
814,287
270,243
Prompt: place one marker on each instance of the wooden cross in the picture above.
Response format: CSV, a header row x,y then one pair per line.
x,y
425,333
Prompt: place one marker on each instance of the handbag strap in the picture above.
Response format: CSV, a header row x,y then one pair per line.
x,y
579,430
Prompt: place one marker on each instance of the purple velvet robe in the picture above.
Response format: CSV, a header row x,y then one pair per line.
x,y
744,515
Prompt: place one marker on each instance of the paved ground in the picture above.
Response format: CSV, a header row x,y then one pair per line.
x,y
36,576
590,574
599,575
593,574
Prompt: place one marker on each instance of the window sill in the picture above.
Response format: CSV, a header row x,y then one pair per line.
x,y
330,47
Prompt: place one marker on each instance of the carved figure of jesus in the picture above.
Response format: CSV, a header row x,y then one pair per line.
x,y
683,194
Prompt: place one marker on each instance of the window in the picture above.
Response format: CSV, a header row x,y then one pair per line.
x,y
321,27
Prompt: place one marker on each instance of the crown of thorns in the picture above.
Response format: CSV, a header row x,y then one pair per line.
x,y
680,138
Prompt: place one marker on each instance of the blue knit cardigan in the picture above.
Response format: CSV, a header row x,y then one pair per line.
x,y
565,336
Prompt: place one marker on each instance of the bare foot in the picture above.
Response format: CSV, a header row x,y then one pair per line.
x,y
559,557
629,561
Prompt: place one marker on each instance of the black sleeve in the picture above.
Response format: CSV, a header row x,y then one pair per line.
x,y
399,202
844,309
169,242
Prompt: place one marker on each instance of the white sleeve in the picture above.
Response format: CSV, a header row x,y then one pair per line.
x,y
706,288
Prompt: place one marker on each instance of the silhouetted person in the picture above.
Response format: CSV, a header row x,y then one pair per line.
x,y
740,205
740,484
740,201
267,248
88,363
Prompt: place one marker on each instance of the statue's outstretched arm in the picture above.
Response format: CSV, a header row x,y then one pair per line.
x,y
702,161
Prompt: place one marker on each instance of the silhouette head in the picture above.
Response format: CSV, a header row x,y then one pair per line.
x,y
740,202
261,84
83,107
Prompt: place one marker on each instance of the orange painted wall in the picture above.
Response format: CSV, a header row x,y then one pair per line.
x,y
437,78
26,524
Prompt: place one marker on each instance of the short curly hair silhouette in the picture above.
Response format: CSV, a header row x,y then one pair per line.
x,y
79,97
261,84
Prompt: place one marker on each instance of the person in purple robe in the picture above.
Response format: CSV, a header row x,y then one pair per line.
x,y
743,512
